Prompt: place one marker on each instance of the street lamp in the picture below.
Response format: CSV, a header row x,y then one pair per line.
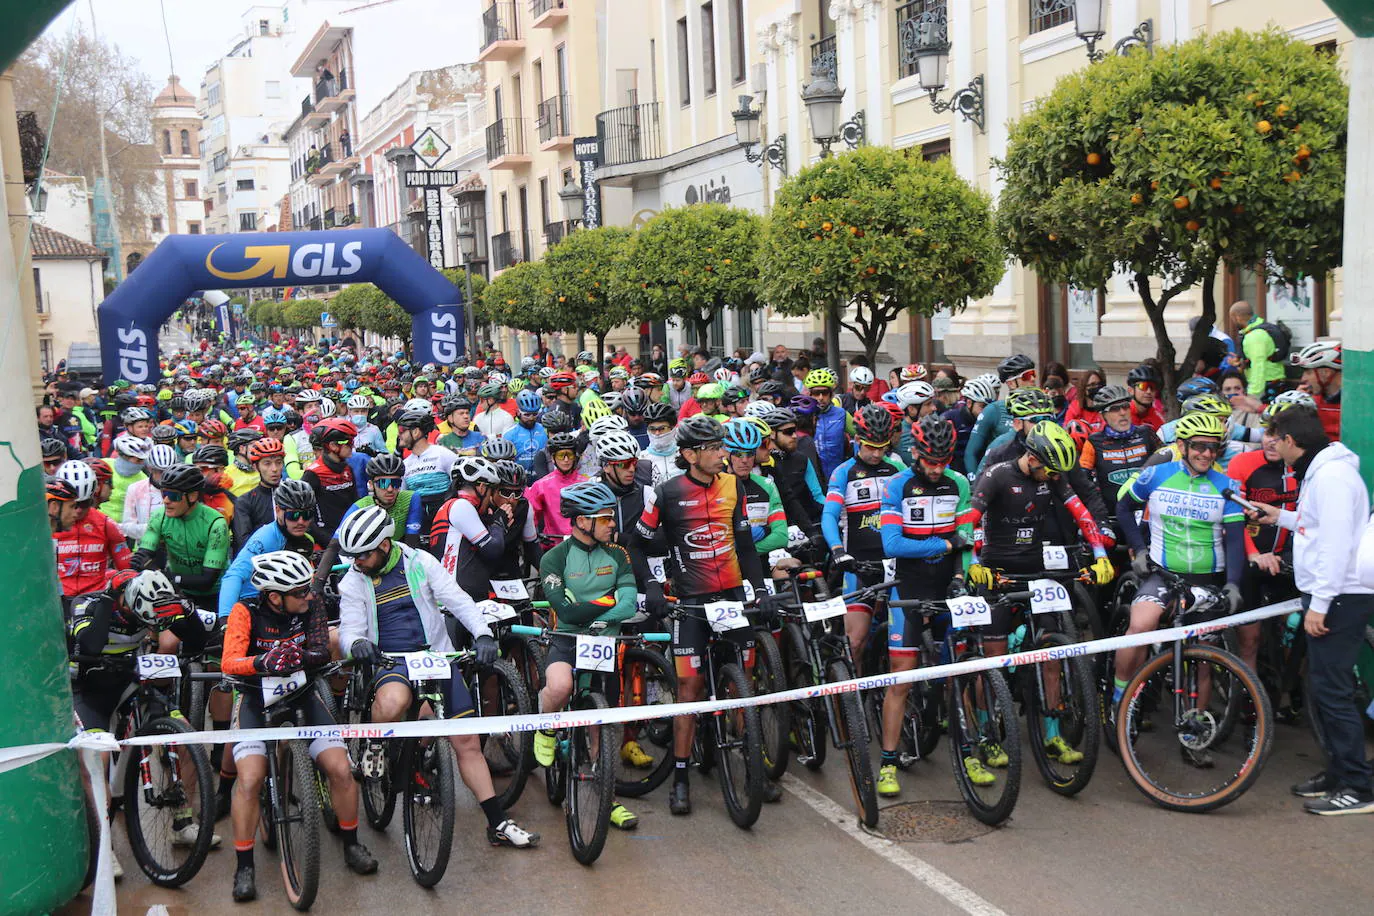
x,y
574,204
925,42
1089,26
747,133
467,247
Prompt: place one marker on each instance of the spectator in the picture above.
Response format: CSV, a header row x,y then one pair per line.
x,y
1263,376
817,355
780,366
1228,344
658,361
1233,390
1332,511
1081,399
700,357
800,366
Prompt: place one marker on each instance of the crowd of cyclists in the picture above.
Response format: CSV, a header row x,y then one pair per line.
x,y
285,507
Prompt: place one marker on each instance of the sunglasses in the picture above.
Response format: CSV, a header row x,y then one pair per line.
x,y
630,463
387,483
933,465
173,496
509,492
296,515
1145,386
659,429
564,453
785,431
302,591
1209,447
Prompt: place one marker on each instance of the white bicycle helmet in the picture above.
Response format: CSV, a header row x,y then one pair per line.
x,y
418,404
498,378
364,531
133,446
198,399
474,469
617,445
360,402
80,476
1322,354
612,399
982,389
724,376
913,394
604,425
281,571
546,371
308,396
150,595
757,408
327,409
861,375
162,457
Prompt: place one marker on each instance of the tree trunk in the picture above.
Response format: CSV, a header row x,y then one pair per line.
x,y
1164,347
1205,323
701,324
832,336
601,355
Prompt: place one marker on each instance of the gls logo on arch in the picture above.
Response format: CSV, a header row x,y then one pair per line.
x,y
444,335
133,354
316,259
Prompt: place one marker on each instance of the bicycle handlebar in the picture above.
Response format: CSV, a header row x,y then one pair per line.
x,y
522,630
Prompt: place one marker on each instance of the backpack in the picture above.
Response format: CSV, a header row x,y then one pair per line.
x,y
1283,340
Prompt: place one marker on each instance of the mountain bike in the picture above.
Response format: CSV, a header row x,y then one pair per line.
x,y
584,773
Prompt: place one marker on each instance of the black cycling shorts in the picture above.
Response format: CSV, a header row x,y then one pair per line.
x,y
250,713
457,699
692,635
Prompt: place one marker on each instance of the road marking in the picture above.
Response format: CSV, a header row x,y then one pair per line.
x,y
918,868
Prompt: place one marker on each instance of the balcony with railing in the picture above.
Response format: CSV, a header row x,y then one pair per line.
x,y
312,116
1046,14
554,123
321,168
823,59
908,31
315,224
629,134
548,14
506,249
554,233
501,37
333,93
506,148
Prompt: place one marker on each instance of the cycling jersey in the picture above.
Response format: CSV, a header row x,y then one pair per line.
x,y
834,428
1013,446
119,488
244,482
1113,457
916,518
427,472
763,508
963,420
543,496
405,513
991,423
467,443
663,465
335,491
1270,482
86,551
254,629
140,502
237,582
1018,518
798,485
585,583
369,437
1329,410
469,547
854,501
493,423
1187,517
701,525
252,510
197,541
529,441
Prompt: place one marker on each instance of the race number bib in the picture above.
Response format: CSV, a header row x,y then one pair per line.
x,y
795,536
724,616
509,589
969,611
274,689
656,568
824,610
748,591
152,667
428,666
889,569
1055,557
1049,597
595,653
496,611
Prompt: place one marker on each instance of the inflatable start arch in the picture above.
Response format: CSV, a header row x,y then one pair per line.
x,y
183,264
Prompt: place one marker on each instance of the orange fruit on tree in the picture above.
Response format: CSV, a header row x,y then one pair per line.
x,y
1154,186
1304,152
1053,237
870,270
827,225
1282,109
1180,202
1292,177
1215,184
1137,198
1263,126
1192,225
1094,158
856,232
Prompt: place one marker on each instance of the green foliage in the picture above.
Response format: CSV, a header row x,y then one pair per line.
x,y
882,232
265,313
381,315
688,262
520,297
479,284
583,272
1229,147
347,305
303,313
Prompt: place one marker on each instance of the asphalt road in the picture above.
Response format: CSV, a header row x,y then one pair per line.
x,y
1108,847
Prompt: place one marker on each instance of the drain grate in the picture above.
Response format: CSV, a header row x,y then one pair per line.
x,y
931,822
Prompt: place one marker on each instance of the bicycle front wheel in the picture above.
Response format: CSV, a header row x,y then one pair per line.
x,y
430,807
1072,716
298,823
1187,761
592,753
647,679
851,733
984,744
510,755
806,718
740,749
169,805
770,678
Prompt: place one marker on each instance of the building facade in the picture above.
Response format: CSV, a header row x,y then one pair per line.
x,y
321,138
68,271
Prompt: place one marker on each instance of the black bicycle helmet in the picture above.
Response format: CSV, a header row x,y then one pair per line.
x,y
212,454
1013,366
416,418
454,402
1110,396
176,404
183,478
933,438
698,430
498,449
241,437
658,412
1142,373
874,424
734,395
772,390
163,435
779,417
565,440
591,497
385,465
54,448
555,420
634,401
294,420
510,474
294,494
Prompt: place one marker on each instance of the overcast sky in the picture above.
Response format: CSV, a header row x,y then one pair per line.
x,y
391,38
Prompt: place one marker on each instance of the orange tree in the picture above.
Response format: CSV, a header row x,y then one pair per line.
x,y
880,232
1226,149
689,262
520,297
583,275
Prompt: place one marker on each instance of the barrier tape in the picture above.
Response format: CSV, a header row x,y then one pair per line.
x,y
616,715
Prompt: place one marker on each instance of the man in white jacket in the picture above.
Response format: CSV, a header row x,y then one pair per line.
x,y
1333,508
389,604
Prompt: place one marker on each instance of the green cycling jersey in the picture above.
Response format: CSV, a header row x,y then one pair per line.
x,y
585,583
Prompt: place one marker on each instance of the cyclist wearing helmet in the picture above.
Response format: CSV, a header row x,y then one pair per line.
x,y
1202,404
1146,409
993,420
628,477
276,633
661,452
186,537
393,600
213,461
126,466
706,401
698,520
248,415
471,530
564,451
744,441
428,464
860,384
462,438
632,407
86,543
254,509
678,392
914,399
492,419
300,452
732,403
294,510
528,435
245,476
922,528
590,583
854,496
1115,453
369,440
1195,532
834,427
144,498
796,471
1320,363
977,393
